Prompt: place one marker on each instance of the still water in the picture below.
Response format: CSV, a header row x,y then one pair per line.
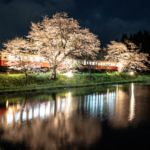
x,y
102,117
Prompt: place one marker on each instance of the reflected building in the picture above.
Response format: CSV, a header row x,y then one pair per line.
x,y
18,114
117,107
50,125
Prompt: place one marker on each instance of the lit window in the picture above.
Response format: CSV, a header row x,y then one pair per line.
x,y
18,57
93,63
99,64
5,57
47,59
42,59
78,61
37,59
84,62
11,57
25,57
90,62
106,64
31,58
103,64
87,62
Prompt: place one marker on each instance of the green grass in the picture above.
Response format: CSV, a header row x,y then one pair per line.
x,y
12,82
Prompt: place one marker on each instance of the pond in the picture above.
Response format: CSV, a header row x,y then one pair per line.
x,y
89,118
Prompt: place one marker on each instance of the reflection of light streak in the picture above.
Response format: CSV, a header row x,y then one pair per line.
x,y
9,118
18,106
132,103
42,110
48,109
58,105
24,116
30,113
17,116
117,92
101,102
10,110
2,119
63,105
7,104
52,108
36,111
108,95
101,106
112,102
68,102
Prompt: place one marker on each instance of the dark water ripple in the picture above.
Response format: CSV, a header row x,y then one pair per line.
x,y
103,117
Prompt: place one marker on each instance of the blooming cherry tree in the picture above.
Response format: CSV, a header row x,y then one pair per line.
x,y
18,50
60,38
127,55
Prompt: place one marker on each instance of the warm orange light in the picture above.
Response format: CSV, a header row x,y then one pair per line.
x,y
7,104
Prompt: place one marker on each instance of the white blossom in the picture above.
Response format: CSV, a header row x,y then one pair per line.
x,y
127,56
60,38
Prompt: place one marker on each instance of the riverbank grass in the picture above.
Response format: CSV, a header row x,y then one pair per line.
x,y
37,81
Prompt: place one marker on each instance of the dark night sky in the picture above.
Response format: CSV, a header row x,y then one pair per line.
x,y
108,19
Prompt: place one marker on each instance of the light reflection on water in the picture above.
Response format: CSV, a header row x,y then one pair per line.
x,y
70,120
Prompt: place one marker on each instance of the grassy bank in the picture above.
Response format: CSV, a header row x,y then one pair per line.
x,y
15,82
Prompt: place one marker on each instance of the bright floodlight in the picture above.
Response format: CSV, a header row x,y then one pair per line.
x,y
132,73
69,74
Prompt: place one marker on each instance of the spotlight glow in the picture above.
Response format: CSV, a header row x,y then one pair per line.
x,y
69,74
132,73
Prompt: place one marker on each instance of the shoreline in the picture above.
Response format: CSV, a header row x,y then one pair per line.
x,y
35,89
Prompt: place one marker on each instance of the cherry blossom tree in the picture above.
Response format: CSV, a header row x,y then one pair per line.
x,y
127,55
60,38
18,50
69,65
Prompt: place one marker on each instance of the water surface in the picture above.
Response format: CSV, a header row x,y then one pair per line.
x,y
100,117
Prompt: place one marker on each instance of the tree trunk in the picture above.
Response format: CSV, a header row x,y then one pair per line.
x,y
90,70
54,72
26,73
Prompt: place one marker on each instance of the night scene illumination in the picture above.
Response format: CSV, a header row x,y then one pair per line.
x,y
74,75
69,74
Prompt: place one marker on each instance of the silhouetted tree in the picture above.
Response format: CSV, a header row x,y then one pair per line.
x,y
124,37
140,39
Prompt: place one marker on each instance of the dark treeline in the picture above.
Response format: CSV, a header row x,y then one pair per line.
x,y
141,39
